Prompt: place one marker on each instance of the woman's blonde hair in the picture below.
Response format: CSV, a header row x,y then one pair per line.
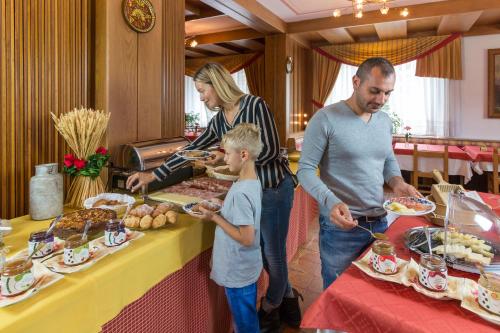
x,y
244,136
219,77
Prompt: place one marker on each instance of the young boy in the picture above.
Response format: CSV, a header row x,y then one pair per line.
x,y
236,256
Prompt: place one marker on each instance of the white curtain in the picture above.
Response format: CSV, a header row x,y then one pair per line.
x,y
422,103
192,103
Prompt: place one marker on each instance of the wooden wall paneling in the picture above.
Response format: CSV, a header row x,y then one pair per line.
x,y
301,83
45,49
173,68
149,77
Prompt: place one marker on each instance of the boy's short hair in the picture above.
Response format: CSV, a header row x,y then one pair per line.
x,y
244,136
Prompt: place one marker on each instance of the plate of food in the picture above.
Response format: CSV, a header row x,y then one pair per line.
x,y
223,172
115,201
194,207
409,206
193,155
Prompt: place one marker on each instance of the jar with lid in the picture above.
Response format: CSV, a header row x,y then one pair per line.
x,y
17,276
46,192
42,241
433,273
383,258
76,250
489,292
114,233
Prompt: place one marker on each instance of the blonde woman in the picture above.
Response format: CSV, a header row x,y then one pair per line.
x,y
219,92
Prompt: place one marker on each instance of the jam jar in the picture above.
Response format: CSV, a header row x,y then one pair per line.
x,y
114,233
42,241
76,250
489,292
383,258
433,273
17,276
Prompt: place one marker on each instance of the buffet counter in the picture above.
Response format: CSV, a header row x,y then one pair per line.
x,y
159,282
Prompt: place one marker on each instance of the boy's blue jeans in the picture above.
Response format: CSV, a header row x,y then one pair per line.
x,y
276,206
338,247
243,306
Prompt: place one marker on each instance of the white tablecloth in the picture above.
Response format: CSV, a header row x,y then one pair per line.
x,y
427,164
480,167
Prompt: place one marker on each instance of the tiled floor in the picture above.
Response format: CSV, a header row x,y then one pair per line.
x,y
304,273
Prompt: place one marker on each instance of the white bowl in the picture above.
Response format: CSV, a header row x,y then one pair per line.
x,y
119,209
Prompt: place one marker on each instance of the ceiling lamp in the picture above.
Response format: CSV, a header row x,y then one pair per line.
x,y
190,41
358,7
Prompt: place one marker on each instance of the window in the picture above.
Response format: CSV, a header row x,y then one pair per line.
x,y
192,103
421,103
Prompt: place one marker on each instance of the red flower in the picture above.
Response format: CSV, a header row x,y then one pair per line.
x,y
408,128
80,164
101,150
69,159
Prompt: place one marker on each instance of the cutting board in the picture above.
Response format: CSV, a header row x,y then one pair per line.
x,y
175,198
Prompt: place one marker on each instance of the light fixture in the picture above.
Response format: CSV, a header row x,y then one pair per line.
x,y
190,41
358,8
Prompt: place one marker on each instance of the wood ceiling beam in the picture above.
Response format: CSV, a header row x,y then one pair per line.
x,y
457,23
190,9
250,13
221,37
391,30
215,49
203,52
337,36
449,7
249,44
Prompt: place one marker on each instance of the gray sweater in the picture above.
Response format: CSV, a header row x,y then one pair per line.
x,y
354,159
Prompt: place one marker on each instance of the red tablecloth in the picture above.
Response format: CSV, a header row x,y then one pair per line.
x,y
479,156
455,152
356,302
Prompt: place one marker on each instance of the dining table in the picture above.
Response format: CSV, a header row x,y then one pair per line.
x,y
482,158
459,161
356,302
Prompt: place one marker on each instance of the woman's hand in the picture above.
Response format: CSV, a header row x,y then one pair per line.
x,y
138,180
215,158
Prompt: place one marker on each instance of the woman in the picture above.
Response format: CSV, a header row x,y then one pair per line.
x,y
219,91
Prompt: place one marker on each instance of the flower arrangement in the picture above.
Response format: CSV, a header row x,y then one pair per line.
x,y
407,133
90,168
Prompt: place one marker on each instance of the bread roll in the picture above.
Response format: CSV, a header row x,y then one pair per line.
x,y
171,216
146,222
132,221
159,221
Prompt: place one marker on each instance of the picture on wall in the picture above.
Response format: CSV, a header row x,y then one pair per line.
x,y
494,83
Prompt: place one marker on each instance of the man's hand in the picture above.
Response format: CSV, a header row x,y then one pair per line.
x,y
341,216
214,158
138,180
403,189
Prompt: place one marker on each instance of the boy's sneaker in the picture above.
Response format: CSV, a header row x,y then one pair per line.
x,y
269,322
290,309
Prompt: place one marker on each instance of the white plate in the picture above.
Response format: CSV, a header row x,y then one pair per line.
x,y
188,208
119,209
185,154
426,202
223,176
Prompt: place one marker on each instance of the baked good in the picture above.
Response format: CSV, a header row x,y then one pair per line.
x,y
73,223
106,202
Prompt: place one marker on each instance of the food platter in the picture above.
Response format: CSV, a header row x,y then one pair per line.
x,y
415,240
191,208
223,172
193,155
409,206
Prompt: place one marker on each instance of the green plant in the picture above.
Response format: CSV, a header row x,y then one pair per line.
x,y
397,122
191,119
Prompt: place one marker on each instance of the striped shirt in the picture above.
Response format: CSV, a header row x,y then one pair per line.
x,y
271,166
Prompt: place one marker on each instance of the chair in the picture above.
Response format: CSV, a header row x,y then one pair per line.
x,y
417,154
495,173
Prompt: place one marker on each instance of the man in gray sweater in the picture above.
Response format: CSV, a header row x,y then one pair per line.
x,y
351,142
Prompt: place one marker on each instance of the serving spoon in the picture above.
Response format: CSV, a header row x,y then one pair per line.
x,y
376,235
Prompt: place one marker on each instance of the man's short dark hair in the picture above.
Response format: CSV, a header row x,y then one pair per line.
x,y
366,67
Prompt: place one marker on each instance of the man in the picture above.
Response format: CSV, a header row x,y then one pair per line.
x,y
351,142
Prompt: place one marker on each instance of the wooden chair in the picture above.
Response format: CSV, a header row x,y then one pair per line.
x,y
420,174
495,173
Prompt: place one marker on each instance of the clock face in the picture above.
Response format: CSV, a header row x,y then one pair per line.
x,y
139,14
289,64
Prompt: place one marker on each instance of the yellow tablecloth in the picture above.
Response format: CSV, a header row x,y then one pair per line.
x,y
84,301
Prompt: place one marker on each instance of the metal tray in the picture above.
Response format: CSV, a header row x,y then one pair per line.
x,y
415,240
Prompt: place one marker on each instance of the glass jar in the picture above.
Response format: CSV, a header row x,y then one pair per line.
x,y
433,273
383,258
17,276
489,292
42,241
114,233
76,250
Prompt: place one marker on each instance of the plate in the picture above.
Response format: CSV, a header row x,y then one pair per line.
x,y
193,155
216,172
188,208
415,200
119,209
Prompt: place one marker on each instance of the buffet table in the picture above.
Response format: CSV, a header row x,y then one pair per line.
x,y
159,283
356,302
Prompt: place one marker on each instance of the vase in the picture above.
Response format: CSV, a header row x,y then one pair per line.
x,y
46,192
83,187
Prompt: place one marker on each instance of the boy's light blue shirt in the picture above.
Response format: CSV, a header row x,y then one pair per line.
x,y
235,265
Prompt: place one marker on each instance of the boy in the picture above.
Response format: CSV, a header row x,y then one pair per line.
x,y
236,256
